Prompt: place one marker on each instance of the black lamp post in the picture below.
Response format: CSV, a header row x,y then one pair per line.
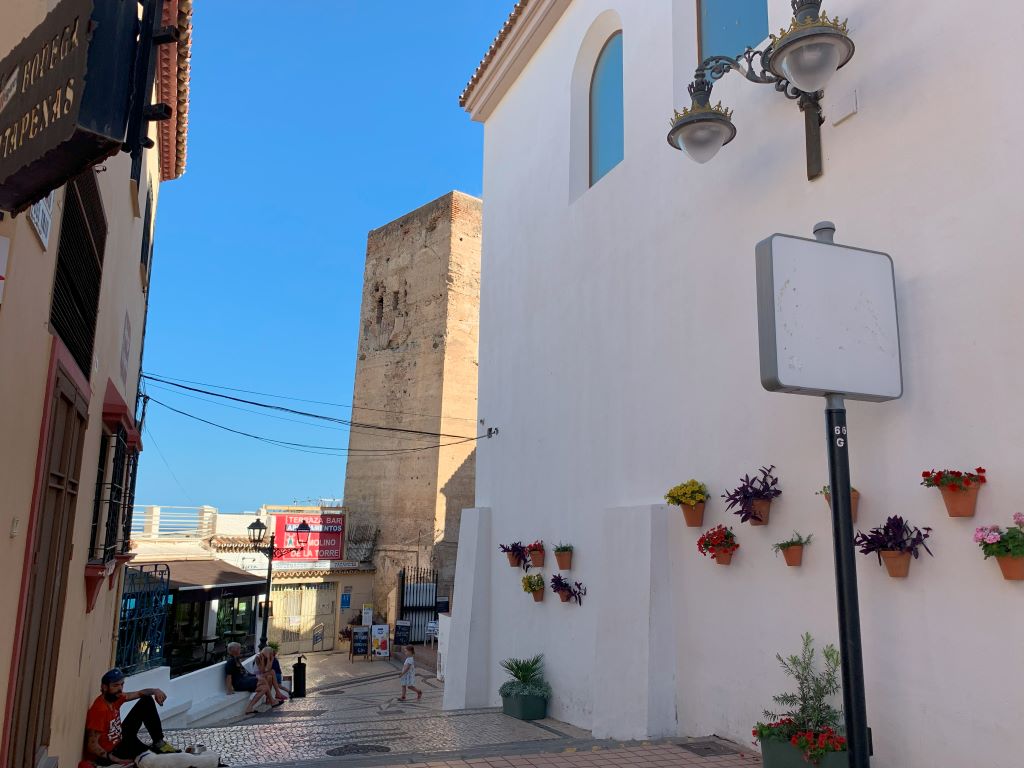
x,y
799,62
257,530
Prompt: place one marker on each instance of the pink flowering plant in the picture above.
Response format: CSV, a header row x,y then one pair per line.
x,y
996,542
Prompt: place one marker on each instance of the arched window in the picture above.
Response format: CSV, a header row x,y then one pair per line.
x,y
606,110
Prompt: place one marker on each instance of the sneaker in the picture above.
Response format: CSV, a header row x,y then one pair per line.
x,y
163,748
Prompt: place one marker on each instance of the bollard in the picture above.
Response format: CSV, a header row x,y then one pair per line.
x,y
299,678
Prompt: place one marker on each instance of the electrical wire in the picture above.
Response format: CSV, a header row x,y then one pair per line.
x,y
148,430
307,414
170,379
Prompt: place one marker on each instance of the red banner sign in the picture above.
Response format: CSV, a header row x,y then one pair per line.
x,y
326,538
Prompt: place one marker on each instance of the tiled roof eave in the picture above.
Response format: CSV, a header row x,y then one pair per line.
x,y
173,79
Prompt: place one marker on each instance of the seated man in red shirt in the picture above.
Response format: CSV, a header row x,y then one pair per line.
x,y
109,741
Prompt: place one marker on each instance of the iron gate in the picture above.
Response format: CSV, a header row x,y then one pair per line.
x,y
417,600
144,606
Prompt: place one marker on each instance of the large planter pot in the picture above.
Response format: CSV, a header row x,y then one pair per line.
x,y
525,707
564,560
723,558
512,559
1012,567
794,555
693,514
538,596
897,564
960,503
782,754
854,501
537,558
761,509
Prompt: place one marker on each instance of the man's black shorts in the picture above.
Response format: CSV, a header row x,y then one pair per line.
x,y
247,683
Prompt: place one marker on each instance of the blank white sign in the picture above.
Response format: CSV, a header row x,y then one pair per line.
x,y
826,317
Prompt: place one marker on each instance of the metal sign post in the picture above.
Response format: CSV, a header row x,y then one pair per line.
x,y
827,326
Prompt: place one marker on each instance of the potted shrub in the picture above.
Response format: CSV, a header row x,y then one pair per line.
x,y
516,554
894,543
1007,547
854,500
805,732
959,489
719,542
536,553
793,548
752,498
563,556
526,695
567,590
690,496
535,585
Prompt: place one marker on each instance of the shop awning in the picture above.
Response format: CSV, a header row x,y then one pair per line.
x,y
194,581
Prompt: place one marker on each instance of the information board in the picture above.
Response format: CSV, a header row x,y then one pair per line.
x,y
402,631
379,640
360,641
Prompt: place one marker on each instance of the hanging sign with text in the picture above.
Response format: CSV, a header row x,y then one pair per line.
x,y
326,536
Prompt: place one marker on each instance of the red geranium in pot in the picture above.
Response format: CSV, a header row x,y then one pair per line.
x,y
959,489
718,542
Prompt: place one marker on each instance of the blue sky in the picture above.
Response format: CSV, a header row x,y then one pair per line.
x,y
307,128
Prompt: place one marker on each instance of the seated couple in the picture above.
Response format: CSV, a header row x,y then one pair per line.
x,y
264,684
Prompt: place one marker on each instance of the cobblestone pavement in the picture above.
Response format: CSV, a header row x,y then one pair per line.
x,y
352,717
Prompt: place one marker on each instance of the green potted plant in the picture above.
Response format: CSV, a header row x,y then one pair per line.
x,y
526,695
718,542
854,500
536,553
752,498
1007,547
535,585
793,548
959,489
806,730
691,497
894,543
563,556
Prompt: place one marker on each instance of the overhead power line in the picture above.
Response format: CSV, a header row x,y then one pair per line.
x,y
308,414
304,400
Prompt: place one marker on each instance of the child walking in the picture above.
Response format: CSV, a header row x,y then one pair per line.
x,y
408,678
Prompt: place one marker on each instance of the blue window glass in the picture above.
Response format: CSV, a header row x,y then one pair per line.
x,y
606,110
729,27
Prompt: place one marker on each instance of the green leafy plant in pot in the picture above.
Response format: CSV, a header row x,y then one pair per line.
x,y
526,695
793,548
807,728
854,500
563,556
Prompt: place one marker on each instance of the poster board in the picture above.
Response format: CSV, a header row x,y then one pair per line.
x,y
403,629
379,640
360,645
367,615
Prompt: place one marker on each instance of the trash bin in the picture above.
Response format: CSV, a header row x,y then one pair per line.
x,y
299,678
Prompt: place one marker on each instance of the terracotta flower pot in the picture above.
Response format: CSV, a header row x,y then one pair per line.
x,y
960,503
854,501
1012,567
564,560
761,509
723,558
794,555
512,559
565,595
897,563
538,596
537,558
694,514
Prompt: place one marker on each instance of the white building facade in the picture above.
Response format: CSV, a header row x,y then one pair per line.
x,y
619,356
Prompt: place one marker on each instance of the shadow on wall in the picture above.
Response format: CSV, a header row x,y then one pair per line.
x,y
459,494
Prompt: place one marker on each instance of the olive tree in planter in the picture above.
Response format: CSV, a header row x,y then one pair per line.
x,y
526,695
752,498
691,497
894,543
807,728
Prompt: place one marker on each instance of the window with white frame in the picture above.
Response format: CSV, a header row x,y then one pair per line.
x,y
41,216
729,27
606,110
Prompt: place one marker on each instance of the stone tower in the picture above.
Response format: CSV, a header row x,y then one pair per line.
x,y
416,370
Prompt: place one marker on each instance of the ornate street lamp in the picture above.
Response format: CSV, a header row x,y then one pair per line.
x,y
799,62
257,530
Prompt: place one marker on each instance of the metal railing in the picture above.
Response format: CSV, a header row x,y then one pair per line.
x,y
151,523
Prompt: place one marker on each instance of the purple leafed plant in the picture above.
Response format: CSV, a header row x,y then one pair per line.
x,y
576,591
519,551
897,535
762,487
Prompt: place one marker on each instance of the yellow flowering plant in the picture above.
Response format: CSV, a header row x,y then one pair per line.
x,y
691,492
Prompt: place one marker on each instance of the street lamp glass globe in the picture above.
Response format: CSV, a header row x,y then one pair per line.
x,y
810,63
257,530
701,141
